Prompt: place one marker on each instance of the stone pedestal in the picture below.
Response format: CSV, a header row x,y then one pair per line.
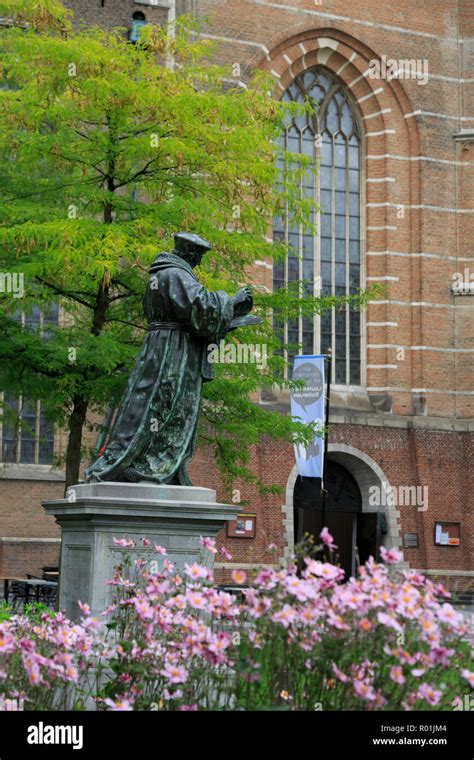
x,y
93,514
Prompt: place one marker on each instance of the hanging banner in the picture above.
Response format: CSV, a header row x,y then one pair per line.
x,y
307,405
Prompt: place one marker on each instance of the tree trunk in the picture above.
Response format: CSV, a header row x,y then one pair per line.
x,y
80,404
73,453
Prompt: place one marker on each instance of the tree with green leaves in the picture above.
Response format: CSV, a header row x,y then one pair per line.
x,y
107,150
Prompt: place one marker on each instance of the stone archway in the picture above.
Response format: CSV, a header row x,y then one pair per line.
x,y
367,474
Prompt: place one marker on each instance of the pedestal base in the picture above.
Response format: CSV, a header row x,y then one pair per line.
x,y
93,514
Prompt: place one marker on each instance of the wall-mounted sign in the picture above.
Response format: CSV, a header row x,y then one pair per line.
x,y
447,534
242,527
410,540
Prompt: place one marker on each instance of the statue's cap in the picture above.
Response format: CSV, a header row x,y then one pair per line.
x,y
186,242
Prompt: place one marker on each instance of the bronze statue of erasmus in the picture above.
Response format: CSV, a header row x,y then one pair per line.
x,y
153,436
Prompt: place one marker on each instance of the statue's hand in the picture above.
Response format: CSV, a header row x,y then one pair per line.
x,y
243,302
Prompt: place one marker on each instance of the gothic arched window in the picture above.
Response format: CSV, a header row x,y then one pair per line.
x,y
330,134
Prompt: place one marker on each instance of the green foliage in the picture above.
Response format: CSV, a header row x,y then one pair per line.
x,y
5,611
107,149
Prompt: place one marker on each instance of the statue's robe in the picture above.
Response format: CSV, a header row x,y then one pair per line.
x,y
153,436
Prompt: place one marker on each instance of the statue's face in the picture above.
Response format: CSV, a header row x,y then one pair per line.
x,y
195,258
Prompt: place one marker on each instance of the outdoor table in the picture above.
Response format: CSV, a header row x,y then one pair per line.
x,y
34,583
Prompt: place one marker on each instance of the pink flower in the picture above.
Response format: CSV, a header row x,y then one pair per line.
x,y
85,609
468,676
219,643
396,674
440,655
160,549
427,692
196,571
327,539
144,609
447,614
208,543
339,674
125,542
285,616
389,621
174,673
324,570
7,643
196,600
391,556
364,690
146,542
226,553
119,705
239,576
337,621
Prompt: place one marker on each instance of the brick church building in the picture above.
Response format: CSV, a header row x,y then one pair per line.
x,y
394,85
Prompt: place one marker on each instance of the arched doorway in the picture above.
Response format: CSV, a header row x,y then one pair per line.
x,y
356,533
368,475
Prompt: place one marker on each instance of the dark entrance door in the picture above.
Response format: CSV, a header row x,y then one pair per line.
x,y
344,518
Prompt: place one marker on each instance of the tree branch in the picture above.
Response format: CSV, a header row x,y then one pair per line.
x,y
64,293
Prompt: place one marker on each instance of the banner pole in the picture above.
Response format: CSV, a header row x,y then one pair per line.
x,y
326,438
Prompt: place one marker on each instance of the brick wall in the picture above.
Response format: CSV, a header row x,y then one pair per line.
x,y
419,230
109,13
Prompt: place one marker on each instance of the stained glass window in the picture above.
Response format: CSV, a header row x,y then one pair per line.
x,y
330,261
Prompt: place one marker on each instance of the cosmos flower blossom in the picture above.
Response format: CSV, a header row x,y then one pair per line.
x,y
428,693
174,673
181,640
208,543
327,539
239,576
119,705
391,556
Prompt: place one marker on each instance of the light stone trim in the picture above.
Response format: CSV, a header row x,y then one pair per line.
x,y
384,278
371,24
250,43
377,113
382,324
450,573
397,347
381,132
328,42
401,389
395,157
408,255
24,540
422,206
370,95
12,471
439,115
359,79
346,63
416,303
246,565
